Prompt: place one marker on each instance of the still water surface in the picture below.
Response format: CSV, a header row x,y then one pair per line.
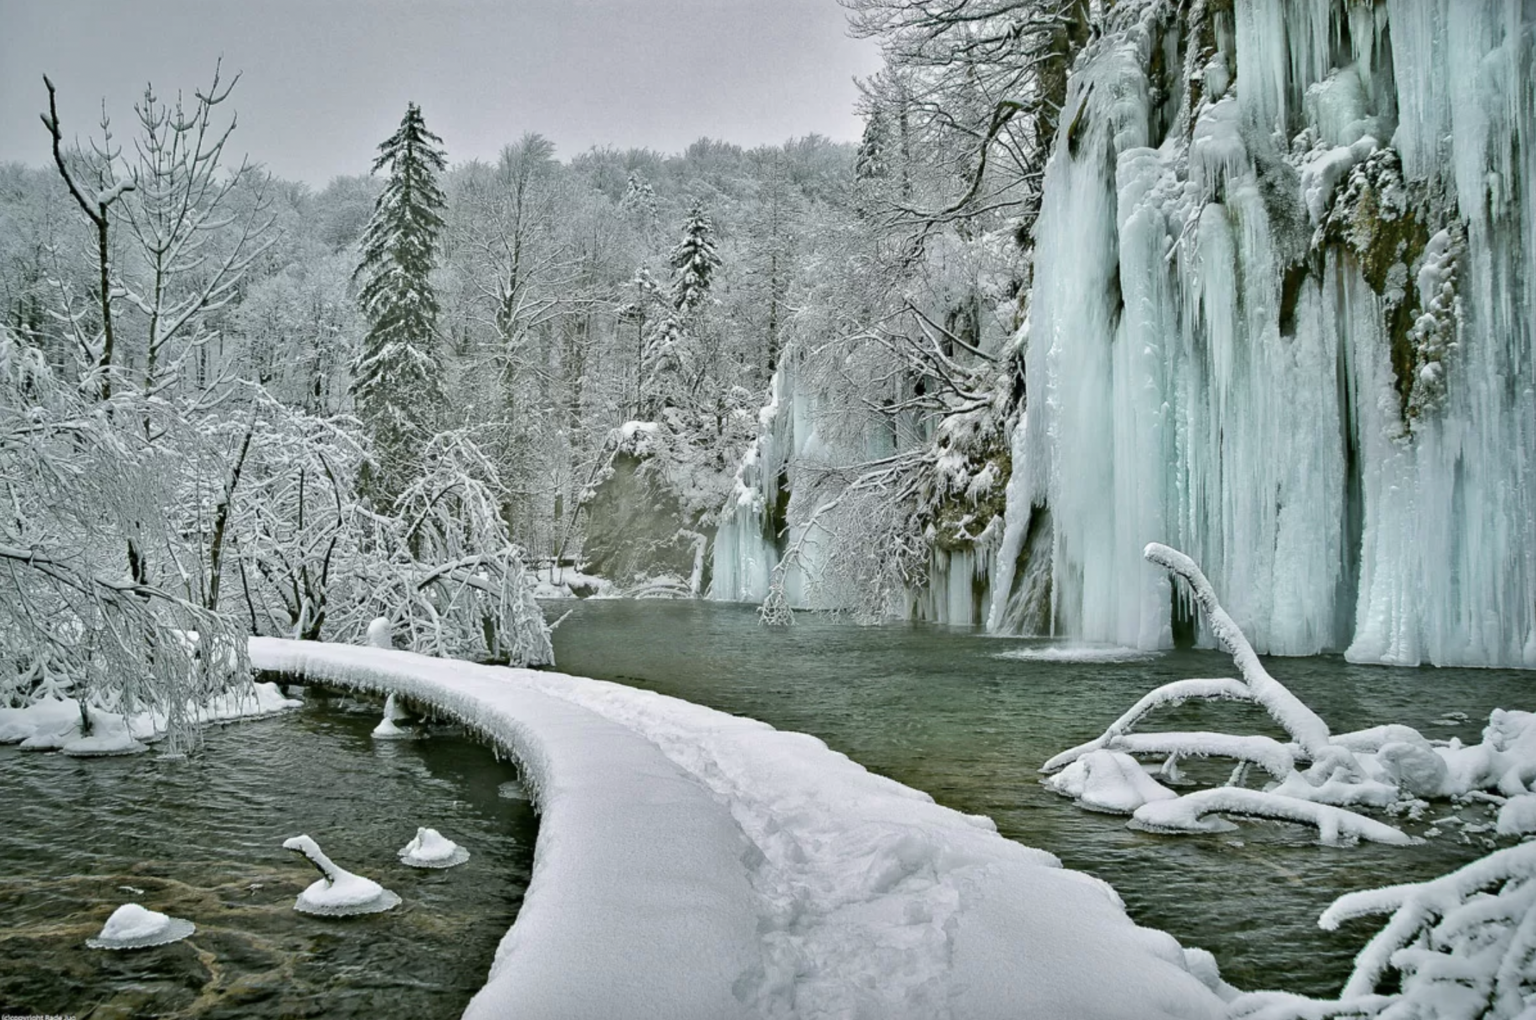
x,y
933,707
938,709
202,839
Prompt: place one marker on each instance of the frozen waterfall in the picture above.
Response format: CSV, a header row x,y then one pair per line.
x,y
1283,319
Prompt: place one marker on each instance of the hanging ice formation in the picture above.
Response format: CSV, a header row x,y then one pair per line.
x,y
756,529
1284,318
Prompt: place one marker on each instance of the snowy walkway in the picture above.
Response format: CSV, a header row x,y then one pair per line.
x,y
693,864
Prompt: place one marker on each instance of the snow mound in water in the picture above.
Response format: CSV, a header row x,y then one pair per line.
x,y
387,728
338,893
693,864
133,927
1076,653
431,849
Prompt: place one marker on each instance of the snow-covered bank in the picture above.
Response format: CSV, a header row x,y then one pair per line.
x,y
54,723
696,864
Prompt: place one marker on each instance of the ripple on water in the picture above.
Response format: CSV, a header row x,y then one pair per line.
x,y
201,839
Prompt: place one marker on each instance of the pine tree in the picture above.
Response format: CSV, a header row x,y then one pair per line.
x,y
396,376
693,261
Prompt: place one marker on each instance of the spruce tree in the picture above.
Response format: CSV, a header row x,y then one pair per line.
x,y
677,363
693,261
396,376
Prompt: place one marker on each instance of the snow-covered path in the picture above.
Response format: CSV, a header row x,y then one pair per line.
x,y
694,864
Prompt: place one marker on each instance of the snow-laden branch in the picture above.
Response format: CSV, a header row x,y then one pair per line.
x,y
1191,813
1169,695
1463,944
1304,725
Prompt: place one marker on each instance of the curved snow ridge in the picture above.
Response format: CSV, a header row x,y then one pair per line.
x,y
849,894
639,903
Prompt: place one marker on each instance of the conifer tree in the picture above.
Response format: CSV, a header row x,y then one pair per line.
x,y
693,261
396,376
677,361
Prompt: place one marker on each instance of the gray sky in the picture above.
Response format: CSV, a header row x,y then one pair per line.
x,y
326,80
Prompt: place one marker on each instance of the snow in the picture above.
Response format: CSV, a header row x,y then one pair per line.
x,y
133,927
338,892
1193,813
386,729
1517,816
693,864
569,583
1109,781
54,723
431,849
1075,653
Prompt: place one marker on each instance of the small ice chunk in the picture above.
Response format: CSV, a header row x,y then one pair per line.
x,y
512,790
1076,653
339,892
431,849
133,927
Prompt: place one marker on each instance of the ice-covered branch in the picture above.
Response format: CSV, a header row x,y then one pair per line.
x,y
1298,720
1168,695
1190,813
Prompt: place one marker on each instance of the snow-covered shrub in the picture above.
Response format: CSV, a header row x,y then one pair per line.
x,y
1315,777
315,564
453,581
85,493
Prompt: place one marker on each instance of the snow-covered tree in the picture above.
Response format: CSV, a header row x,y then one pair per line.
x,y
397,375
74,620
694,261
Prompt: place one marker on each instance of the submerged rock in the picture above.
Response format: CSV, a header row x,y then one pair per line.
x,y
134,927
338,893
431,849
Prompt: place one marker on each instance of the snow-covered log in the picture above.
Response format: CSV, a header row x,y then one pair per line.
x,y
1192,813
1270,755
701,866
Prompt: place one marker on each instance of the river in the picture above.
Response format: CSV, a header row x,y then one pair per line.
x,y
945,710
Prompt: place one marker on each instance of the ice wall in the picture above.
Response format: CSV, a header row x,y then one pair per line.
x,y
1282,319
755,529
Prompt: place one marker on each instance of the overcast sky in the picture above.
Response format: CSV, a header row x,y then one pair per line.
x,y
326,80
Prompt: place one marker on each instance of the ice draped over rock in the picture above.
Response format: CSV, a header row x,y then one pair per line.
x,y
1283,318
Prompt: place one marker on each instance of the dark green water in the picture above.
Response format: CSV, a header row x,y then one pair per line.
x,y
935,708
201,839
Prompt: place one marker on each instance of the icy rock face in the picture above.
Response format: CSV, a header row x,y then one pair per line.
x,y
1283,319
639,525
